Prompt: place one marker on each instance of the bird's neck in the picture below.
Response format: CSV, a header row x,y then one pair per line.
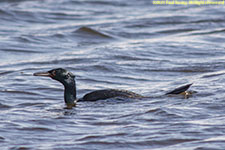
x,y
70,94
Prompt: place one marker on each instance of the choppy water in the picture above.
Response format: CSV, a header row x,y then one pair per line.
x,y
123,44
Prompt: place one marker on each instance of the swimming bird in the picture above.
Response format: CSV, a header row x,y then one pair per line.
x,y
68,80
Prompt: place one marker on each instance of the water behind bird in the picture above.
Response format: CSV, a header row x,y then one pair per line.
x,y
120,44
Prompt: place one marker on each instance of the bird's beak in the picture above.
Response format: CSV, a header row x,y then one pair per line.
x,y
43,74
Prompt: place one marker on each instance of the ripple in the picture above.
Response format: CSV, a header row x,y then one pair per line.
x,y
36,129
19,51
29,104
168,115
209,32
184,69
6,73
3,106
21,148
175,31
134,144
91,33
19,92
90,137
2,139
215,74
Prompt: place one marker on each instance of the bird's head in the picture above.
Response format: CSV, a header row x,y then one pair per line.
x,y
59,74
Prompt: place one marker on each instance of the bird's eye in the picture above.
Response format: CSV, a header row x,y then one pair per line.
x,y
67,76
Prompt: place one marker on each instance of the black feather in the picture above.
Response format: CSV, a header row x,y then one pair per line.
x,y
179,90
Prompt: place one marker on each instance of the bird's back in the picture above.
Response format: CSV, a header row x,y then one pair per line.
x,y
109,93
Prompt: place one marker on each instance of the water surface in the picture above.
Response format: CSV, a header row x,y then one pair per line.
x,y
130,45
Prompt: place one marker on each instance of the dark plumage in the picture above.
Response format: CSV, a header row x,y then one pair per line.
x,y
109,93
68,80
180,89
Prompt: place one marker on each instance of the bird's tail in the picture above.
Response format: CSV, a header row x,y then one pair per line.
x,y
179,90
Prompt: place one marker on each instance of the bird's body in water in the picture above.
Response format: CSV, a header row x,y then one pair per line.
x,y
68,80
109,93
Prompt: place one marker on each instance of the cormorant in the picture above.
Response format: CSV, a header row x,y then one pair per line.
x,y
68,80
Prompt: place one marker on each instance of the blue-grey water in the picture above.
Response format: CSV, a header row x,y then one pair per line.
x,y
122,44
